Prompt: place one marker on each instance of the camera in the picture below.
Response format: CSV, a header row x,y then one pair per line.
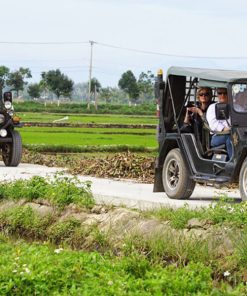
x,y
190,104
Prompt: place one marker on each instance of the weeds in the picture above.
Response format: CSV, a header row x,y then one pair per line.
x,y
222,212
67,190
23,221
136,264
169,261
35,269
62,231
177,217
172,247
60,191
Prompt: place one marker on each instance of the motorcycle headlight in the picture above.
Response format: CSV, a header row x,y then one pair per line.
x,y
2,118
7,105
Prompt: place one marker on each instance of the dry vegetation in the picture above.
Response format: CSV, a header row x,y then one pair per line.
x,y
120,165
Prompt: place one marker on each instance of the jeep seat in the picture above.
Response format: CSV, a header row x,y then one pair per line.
x,y
206,143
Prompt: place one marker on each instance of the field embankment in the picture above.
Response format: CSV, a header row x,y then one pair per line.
x,y
76,246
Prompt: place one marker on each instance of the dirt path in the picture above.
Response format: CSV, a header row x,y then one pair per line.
x,y
128,193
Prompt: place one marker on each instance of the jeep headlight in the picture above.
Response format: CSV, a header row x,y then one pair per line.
x,y
3,132
7,105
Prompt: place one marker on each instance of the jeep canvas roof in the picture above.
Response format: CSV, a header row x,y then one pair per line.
x,y
209,77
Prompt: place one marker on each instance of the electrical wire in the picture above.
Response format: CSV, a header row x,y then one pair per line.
x,y
170,55
125,48
43,43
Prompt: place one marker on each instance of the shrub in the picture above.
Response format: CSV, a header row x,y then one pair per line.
x,y
60,191
23,221
61,231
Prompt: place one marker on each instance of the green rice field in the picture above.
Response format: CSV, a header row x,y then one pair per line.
x,y
88,136
85,118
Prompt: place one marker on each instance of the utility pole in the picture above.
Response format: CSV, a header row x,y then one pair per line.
x,y
90,74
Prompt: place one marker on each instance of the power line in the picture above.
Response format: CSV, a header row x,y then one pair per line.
x,y
43,43
168,54
125,48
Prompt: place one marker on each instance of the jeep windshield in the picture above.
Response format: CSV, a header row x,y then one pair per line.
x,y
239,95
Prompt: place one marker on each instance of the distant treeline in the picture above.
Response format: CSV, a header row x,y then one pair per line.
x,y
142,109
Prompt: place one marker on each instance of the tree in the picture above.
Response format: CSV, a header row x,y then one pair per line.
x,y
95,85
34,90
17,79
67,87
146,84
106,93
58,83
4,72
129,84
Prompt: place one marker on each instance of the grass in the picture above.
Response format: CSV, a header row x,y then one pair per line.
x,y
87,136
86,118
223,212
157,263
161,265
38,269
60,191
22,221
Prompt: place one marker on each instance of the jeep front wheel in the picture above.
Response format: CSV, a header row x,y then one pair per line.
x,y
243,181
12,152
176,177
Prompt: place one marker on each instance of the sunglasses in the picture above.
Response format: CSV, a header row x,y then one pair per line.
x,y
222,93
204,95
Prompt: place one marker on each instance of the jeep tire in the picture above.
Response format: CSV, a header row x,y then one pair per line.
x,y
243,181
12,152
176,177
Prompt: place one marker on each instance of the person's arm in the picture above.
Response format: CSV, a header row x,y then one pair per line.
x,y
187,117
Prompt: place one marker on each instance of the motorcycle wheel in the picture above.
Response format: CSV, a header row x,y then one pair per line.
x,y
12,152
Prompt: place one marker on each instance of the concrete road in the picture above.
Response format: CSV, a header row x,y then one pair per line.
x,y
127,193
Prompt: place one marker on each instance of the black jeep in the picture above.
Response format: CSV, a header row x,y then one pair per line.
x,y
10,139
184,157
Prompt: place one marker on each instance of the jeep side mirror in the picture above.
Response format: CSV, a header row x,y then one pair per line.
x,y
7,96
222,111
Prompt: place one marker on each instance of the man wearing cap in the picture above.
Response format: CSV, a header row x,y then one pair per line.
x,y
220,128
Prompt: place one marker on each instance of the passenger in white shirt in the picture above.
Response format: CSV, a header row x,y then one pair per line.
x,y
220,125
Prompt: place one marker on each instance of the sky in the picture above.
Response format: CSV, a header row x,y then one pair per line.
x,y
138,35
